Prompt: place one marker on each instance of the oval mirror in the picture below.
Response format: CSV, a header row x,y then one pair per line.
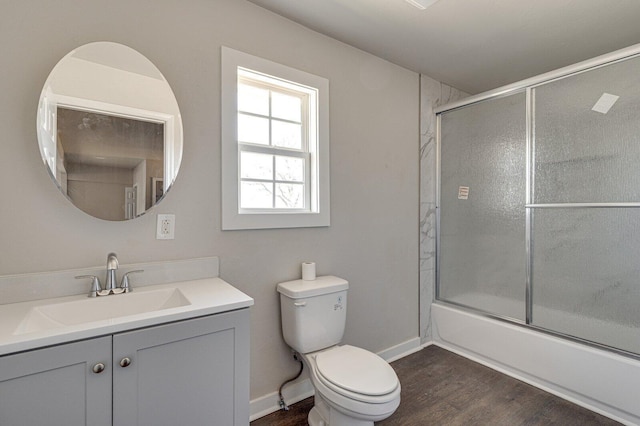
x,y
110,131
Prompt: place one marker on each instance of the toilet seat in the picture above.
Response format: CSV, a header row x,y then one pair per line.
x,y
357,374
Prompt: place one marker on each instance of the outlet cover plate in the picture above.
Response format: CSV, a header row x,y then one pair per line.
x,y
166,226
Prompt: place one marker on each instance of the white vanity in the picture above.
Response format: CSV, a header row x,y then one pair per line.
x,y
175,353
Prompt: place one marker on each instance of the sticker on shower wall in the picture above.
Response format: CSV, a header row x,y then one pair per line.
x,y
463,193
605,103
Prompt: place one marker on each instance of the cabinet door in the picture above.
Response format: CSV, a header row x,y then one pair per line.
x,y
56,386
194,372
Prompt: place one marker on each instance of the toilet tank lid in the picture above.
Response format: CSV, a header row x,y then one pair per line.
x,y
299,289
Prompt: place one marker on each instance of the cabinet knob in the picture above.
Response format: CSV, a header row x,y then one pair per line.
x,y
125,362
98,368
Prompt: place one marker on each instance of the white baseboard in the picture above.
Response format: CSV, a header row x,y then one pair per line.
x,y
401,350
302,389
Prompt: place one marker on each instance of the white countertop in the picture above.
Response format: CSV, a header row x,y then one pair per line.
x,y
205,296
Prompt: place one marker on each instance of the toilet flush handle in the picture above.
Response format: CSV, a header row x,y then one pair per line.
x,y
300,304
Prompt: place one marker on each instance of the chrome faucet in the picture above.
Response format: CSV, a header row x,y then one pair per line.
x,y
112,266
110,286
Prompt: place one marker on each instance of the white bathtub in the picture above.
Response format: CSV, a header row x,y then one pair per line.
x,y
601,381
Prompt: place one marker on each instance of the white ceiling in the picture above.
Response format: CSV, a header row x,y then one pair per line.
x,y
473,45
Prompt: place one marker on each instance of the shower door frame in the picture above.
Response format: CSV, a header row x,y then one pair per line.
x,y
528,87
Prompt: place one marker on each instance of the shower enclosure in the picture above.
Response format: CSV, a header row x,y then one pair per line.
x,y
539,204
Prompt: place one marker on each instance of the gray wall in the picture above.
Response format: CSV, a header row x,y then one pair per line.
x,y
373,239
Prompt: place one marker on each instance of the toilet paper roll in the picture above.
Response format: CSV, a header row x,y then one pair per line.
x,y
308,271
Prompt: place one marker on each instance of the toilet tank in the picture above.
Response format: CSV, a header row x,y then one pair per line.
x,y
314,313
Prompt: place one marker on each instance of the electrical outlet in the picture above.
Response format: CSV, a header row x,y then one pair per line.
x,y
166,227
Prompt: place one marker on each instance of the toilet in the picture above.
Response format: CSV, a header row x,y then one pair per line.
x,y
353,387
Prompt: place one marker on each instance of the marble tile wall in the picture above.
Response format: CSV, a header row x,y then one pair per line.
x,y
432,94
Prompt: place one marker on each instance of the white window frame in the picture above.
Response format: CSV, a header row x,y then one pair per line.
x,y
317,209
307,150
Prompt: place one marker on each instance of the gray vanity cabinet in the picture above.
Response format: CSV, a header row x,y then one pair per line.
x,y
56,386
192,372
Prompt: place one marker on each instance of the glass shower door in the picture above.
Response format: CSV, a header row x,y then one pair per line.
x,y
586,211
482,247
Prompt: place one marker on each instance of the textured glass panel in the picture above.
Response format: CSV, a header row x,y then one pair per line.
x,y
256,195
289,196
286,135
286,107
290,168
256,166
253,129
482,238
253,99
586,274
584,155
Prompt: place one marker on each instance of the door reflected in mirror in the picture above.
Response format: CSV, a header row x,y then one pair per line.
x,y
110,131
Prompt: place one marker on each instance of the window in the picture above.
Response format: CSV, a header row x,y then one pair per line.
x,y
274,143
275,146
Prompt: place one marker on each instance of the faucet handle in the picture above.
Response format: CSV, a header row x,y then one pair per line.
x,y
96,289
125,280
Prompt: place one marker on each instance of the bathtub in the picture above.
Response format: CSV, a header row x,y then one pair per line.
x,y
599,380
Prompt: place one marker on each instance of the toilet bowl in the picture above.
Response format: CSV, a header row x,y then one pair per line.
x,y
353,387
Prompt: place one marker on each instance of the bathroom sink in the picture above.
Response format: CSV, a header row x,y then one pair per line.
x,y
88,310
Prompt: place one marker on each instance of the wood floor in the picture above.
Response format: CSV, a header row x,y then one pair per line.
x,y
441,388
